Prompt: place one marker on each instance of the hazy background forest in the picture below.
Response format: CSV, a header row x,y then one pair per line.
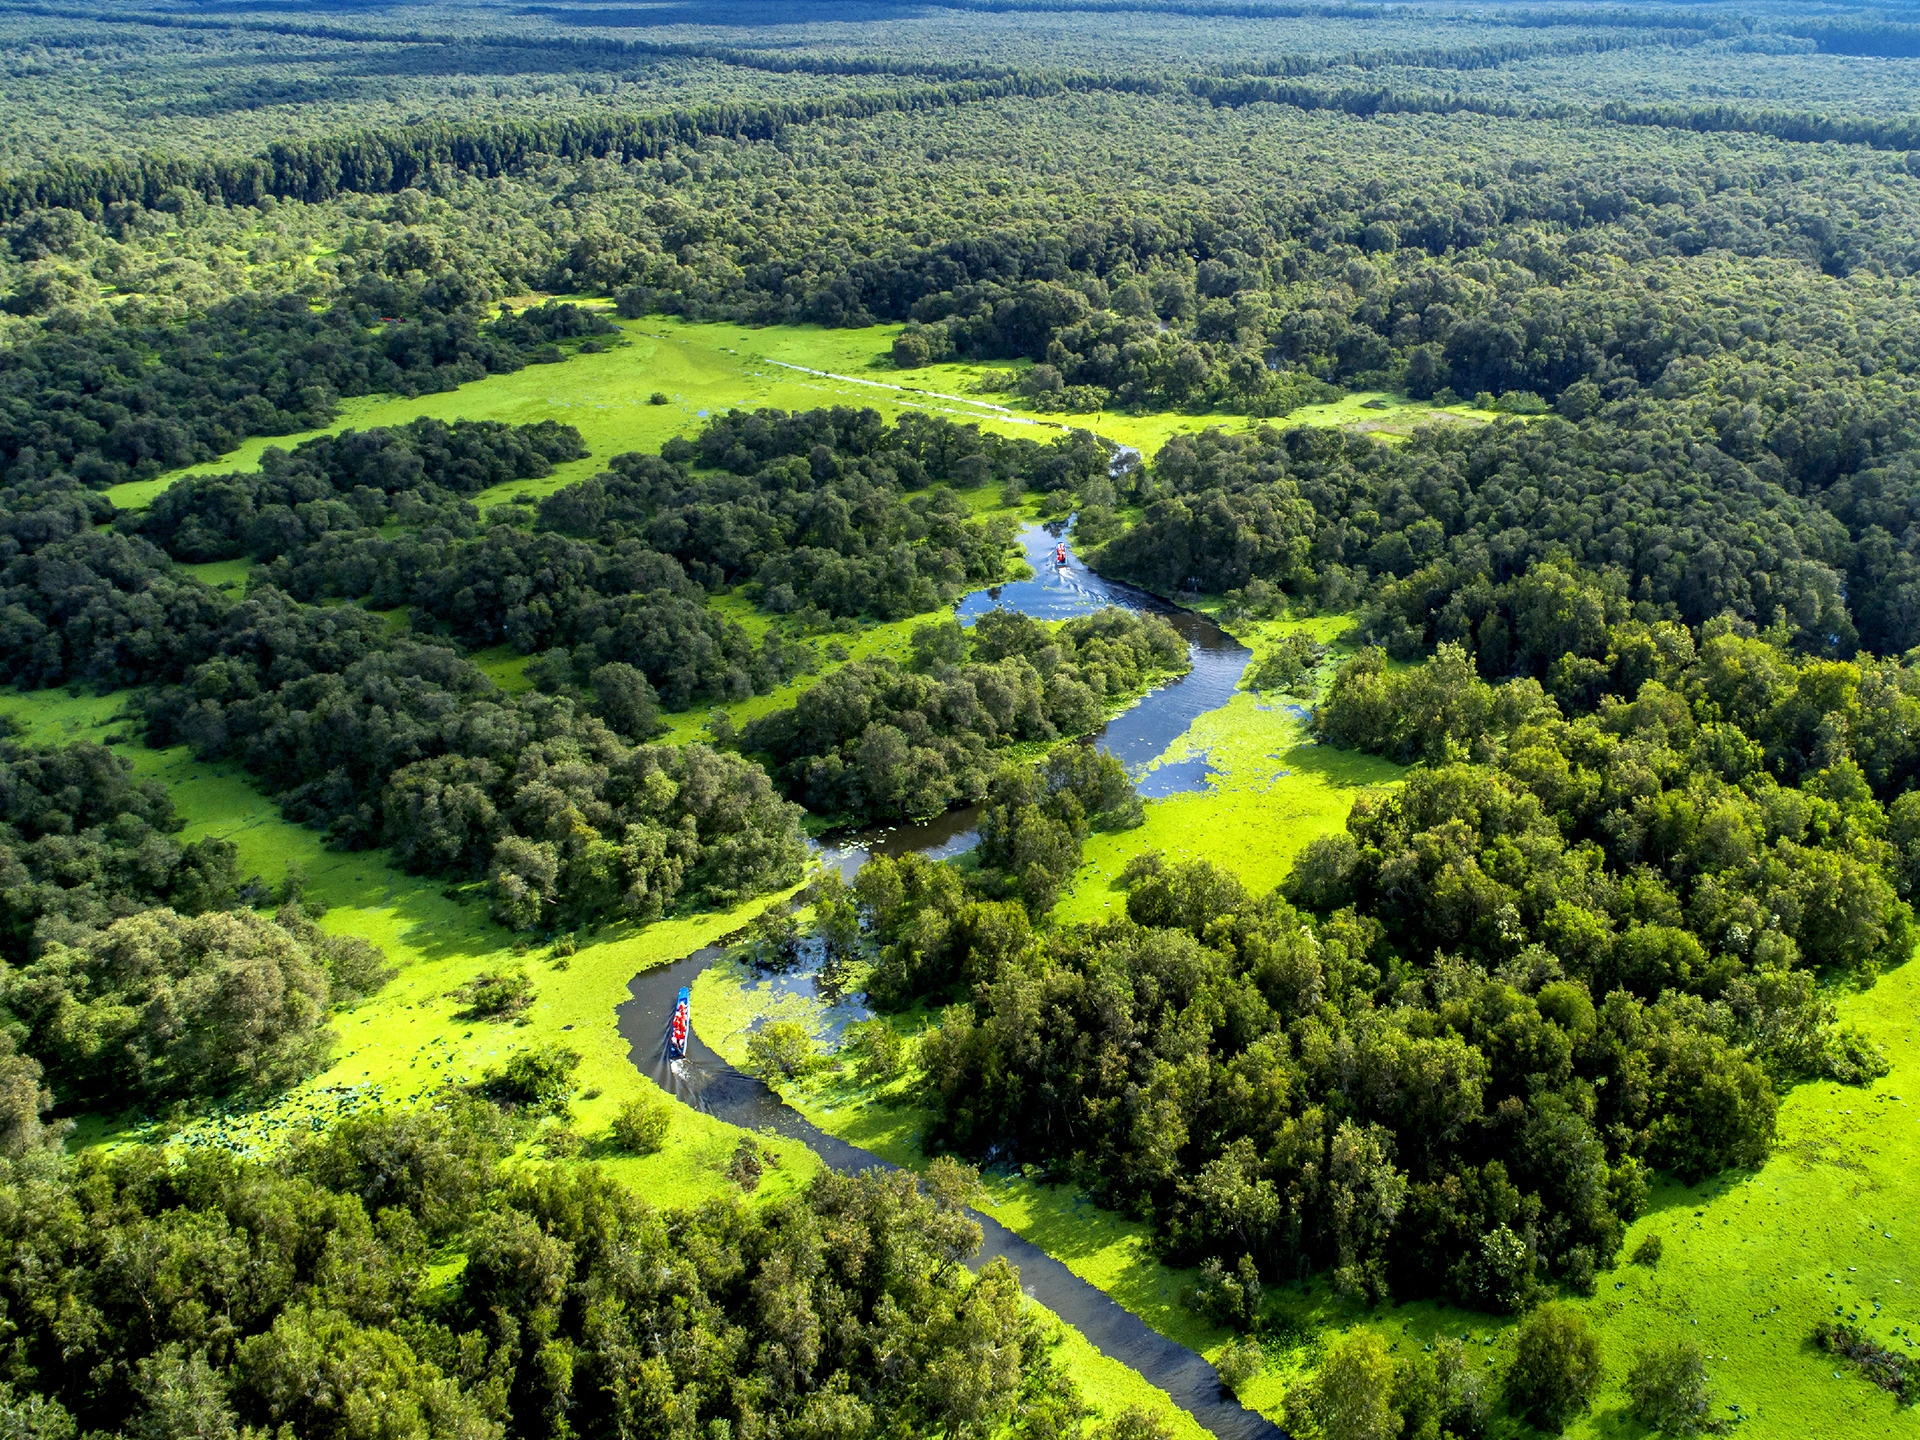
x,y
485,488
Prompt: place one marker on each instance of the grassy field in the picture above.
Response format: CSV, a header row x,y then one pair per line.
x,y
705,369
1272,791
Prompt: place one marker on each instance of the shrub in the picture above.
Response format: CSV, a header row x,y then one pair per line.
x,y
1667,1389
1556,1367
641,1126
880,1049
781,1050
494,996
1239,1363
1351,1398
539,1080
1228,1297
746,1166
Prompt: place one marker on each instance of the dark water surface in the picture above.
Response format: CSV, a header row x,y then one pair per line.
x,y
1137,737
708,1083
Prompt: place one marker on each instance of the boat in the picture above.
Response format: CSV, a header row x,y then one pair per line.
x,y
679,1027
1060,555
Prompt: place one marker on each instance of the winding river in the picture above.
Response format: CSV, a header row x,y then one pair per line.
x,y
1137,737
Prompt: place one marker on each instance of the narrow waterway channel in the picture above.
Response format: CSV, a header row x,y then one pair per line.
x,y
1137,737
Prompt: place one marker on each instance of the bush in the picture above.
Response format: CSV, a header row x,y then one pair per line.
x,y
494,996
1351,1398
773,939
1556,1367
1286,665
1667,1389
1228,1297
641,1126
1648,1251
880,1049
747,1165
781,1050
1239,1363
538,1080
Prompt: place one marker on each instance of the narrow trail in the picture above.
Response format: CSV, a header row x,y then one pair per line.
x,y
995,412
710,1084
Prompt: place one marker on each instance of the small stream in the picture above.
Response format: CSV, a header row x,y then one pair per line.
x,y
1136,737
710,1084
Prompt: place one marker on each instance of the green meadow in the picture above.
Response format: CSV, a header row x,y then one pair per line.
x,y
1750,1261
708,368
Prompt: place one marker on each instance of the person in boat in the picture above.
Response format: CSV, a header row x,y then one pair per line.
x,y
1060,555
677,1027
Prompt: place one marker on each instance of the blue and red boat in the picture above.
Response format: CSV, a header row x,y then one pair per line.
x,y
678,1027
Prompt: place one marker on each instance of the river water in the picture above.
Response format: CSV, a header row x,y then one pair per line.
x,y
1138,737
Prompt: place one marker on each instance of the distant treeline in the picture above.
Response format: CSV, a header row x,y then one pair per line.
x,y
1877,37
382,162
1900,132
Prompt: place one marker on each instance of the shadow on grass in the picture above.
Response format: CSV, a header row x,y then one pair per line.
x,y
1346,769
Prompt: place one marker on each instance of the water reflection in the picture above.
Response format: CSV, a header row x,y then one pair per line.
x,y
1141,734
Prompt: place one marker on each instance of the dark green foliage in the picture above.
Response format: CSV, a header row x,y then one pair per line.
x,y
134,400
1556,1367
820,515
495,996
880,741
347,481
538,1080
640,1127
1034,820
114,998
1521,982
1886,1368
83,843
1286,665
318,1269
160,1006
392,742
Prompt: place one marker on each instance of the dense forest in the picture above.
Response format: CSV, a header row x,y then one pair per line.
x,y
204,1297
1624,547
1445,1057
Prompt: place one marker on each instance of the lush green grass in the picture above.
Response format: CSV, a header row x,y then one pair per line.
x,y
1273,790
388,1046
223,574
1827,1222
702,369
711,367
